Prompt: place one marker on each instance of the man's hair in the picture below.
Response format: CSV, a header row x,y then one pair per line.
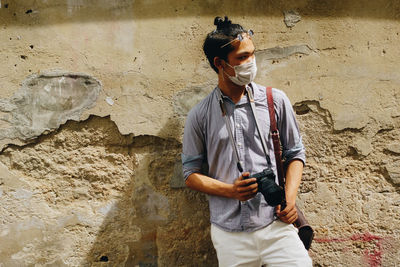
x,y
225,32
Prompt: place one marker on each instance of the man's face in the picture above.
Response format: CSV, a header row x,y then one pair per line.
x,y
243,53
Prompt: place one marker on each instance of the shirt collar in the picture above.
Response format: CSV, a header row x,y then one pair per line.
x,y
242,100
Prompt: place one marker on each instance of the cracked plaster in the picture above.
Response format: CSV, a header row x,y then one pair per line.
x,y
93,188
44,102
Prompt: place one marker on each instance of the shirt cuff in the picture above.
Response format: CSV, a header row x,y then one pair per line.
x,y
296,152
191,164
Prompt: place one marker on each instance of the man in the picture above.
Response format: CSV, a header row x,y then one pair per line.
x,y
245,230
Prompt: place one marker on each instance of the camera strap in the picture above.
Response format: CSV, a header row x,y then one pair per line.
x,y
229,129
229,126
275,137
305,231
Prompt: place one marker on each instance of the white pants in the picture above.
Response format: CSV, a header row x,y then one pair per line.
x,y
275,245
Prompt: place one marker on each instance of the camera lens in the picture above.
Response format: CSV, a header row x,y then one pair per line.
x,y
272,193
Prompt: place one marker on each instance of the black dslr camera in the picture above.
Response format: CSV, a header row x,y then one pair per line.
x,y
273,193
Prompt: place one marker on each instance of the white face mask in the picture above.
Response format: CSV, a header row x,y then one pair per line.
x,y
244,73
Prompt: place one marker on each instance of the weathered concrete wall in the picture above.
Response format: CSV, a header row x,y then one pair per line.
x,y
93,96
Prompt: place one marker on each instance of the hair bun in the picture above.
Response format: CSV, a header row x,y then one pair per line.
x,y
220,23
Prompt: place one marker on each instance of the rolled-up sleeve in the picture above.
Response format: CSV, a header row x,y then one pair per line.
x,y
193,152
292,145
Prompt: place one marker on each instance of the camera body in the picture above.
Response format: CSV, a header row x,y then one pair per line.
x,y
273,193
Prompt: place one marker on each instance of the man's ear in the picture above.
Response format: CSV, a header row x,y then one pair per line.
x,y
218,62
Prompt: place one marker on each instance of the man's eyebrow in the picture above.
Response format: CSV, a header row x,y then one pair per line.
x,y
246,52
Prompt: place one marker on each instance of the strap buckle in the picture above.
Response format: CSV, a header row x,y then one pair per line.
x,y
275,132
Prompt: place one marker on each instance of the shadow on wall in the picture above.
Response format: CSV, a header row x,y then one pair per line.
x,y
22,12
93,197
121,192
151,223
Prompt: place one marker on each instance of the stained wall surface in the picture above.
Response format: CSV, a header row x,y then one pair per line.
x,y
94,94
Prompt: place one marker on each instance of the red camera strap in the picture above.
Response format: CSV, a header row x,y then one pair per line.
x,y
275,137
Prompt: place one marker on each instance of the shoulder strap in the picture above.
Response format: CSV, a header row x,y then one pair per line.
x,y
253,110
275,137
229,129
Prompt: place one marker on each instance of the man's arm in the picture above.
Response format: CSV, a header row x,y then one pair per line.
x,y
241,189
293,152
293,179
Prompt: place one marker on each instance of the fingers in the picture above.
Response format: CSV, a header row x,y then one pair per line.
x,y
278,210
288,215
247,192
288,208
244,183
291,217
246,188
244,180
244,176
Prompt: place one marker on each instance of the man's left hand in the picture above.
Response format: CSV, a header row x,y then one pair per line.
x,y
289,214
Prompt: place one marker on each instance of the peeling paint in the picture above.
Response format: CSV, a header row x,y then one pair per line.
x,y
291,18
304,107
283,52
109,101
45,101
112,194
186,99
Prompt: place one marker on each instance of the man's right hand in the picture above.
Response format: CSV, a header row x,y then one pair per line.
x,y
244,189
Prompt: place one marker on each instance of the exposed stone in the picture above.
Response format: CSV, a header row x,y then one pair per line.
x,y
118,193
10,180
362,146
108,190
393,170
333,180
22,194
349,120
394,148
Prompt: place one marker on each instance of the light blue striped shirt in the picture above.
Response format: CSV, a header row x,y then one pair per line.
x,y
206,140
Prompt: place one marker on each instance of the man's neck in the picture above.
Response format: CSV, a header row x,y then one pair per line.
x,y
233,91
